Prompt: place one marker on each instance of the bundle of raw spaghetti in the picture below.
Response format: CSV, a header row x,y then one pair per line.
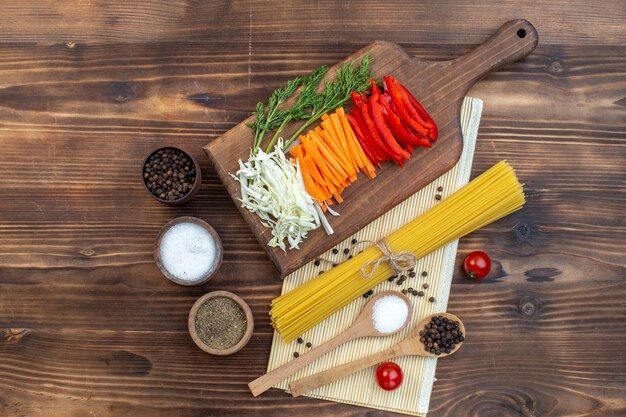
x,y
489,197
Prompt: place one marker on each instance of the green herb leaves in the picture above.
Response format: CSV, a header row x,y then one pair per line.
x,y
310,105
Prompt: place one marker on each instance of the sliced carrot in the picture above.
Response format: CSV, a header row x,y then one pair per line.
x,y
313,189
342,136
347,131
309,164
297,151
339,146
368,168
329,128
333,145
325,169
354,151
329,156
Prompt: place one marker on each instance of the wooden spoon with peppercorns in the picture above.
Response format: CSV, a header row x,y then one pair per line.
x,y
415,344
362,327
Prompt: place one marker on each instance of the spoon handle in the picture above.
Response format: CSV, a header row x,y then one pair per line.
x,y
265,382
304,385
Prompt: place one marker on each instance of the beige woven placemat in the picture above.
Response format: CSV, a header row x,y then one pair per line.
x,y
413,396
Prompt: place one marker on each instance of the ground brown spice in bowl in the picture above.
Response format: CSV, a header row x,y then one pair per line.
x,y
220,323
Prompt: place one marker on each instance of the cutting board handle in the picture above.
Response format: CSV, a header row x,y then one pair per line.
x,y
514,40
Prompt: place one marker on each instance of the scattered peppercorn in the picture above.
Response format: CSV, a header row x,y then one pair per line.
x,y
370,292
410,289
440,188
431,299
321,272
441,335
309,344
334,265
404,291
335,251
411,274
317,262
296,354
354,241
346,251
391,278
420,293
169,174
350,257
424,273
415,292
399,282
300,340
403,277
425,285
438,197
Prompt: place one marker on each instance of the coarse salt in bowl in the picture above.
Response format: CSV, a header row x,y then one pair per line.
x,y
188,251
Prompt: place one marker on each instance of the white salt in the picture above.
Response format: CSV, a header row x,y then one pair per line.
x,y
389,313
187,251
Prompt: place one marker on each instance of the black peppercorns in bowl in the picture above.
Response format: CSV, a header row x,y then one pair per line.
x,y
171,175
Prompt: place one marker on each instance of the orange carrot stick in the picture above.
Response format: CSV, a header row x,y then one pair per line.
x,y
321,164
336,122
333,145
329,128
368,168
328,155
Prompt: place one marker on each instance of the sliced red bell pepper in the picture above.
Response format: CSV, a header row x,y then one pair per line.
x,y
404,135
380,153
414,108
371,126
362,141
402,104
433,132
379,121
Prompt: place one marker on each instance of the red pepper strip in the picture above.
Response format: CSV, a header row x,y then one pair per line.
x,y
418,134
433,132
380,153
375,89
416,110
404,135
362,141
371,126
379,121
418,106
402,103
407,127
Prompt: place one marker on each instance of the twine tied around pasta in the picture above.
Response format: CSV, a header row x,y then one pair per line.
x,y
397,260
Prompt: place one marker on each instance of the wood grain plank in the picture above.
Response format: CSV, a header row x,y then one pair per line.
x,y
246,22
88,88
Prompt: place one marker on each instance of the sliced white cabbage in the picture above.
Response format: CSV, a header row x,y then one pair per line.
x,y
272,187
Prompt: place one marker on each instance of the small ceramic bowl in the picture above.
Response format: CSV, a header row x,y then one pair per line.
x,y
191,323
194,189
218,251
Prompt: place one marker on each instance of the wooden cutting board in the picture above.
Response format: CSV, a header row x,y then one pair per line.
x,y
439,86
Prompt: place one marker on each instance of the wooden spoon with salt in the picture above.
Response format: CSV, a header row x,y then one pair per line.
x,y
362,327
409,346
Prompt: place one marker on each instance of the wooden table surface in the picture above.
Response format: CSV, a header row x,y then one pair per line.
x,y
89,327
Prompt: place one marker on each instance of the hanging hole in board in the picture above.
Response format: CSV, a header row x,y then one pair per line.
x,y
521,33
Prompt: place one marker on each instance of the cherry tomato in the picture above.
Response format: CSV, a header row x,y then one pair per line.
x,y
389,376
477,265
